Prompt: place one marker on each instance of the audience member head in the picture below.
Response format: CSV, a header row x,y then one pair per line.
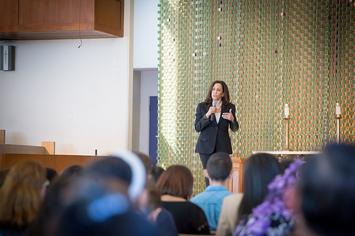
x,y
145,160
326,191
259,170
177,181
3,174
154,200
74,170
156,173
286,162
54,202
273,216
124,167
101,210
21,193
51,174
219,166
76,189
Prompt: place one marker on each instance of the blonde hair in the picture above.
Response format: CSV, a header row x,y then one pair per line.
x,y
20,195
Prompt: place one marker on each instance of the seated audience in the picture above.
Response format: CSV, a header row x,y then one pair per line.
x,y
54,202
123,173
145,159
156,172
272,217
102,209
3,174
102,200
161,217
21,196
149,202
115,170
219,167
51,174
324,198
175,185
259,170
285,162
228,217
72,171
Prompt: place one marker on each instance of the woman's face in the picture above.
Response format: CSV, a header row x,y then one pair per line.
x,y
217,91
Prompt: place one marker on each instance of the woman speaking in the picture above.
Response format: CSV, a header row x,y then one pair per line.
x,y
214,116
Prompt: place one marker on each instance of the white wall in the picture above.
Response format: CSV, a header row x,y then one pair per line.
x,y
145,34
149,87
78,97
145,61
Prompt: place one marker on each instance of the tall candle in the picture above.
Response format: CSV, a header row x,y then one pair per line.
x,y
286,111
337,109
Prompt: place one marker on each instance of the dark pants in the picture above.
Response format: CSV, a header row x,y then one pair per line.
x,y
204,159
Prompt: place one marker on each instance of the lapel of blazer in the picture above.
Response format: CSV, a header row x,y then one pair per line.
x,y
224,108
215,120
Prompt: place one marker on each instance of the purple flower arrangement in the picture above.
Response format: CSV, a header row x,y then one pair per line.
x,y
272,217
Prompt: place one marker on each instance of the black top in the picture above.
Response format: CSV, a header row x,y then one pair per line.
x,y
166,224
189,218
214,137
9,230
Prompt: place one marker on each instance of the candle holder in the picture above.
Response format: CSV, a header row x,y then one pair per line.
x,y
338,117
287,131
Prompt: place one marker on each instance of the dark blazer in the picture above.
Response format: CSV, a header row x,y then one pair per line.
x,y
214,136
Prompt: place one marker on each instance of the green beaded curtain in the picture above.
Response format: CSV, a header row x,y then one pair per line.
x,y
299,52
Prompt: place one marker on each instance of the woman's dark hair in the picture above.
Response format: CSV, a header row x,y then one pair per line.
x,y
286,162
52,206
225,98
51,174
156,172
72,171
259,170
177,181
154,198
3,174
145,160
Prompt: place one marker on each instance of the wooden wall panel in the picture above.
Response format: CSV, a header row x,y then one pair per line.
x,y
2,136
57,162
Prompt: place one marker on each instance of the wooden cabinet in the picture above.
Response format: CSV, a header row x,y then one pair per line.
x,y
56,19
8,16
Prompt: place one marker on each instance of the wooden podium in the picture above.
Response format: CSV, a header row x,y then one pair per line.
x,y
235,181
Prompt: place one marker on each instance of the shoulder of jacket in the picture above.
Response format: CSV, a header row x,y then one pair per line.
x,y
230,104
202,104
233,197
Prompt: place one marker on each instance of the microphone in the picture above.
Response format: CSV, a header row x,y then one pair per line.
x,y
213,117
